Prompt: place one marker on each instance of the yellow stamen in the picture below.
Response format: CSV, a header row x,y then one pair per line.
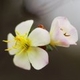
x,y
8,49
21,42
6,41
25,35
17,32
22,50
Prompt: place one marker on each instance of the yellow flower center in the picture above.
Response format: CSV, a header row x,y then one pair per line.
x,y
22,43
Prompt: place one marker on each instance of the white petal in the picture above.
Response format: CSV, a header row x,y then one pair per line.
x,y
11,43
73,35
62,41
58,39
24,27
22,61
39,37
61,25
38,58
54,25
68,28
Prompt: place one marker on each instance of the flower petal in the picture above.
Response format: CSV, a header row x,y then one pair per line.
x,y
53,26
60,28
68,28
58,39
73,35
10,44
62,41
24,27
39,37
38,57
22,61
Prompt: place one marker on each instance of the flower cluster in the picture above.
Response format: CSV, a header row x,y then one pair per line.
x,y
26,45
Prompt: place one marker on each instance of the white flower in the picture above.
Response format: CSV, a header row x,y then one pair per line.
x,y
25,46
62,33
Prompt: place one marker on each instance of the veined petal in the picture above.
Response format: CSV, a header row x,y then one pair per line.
x,y
21,60
24,27
39,37
10,44
38,57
